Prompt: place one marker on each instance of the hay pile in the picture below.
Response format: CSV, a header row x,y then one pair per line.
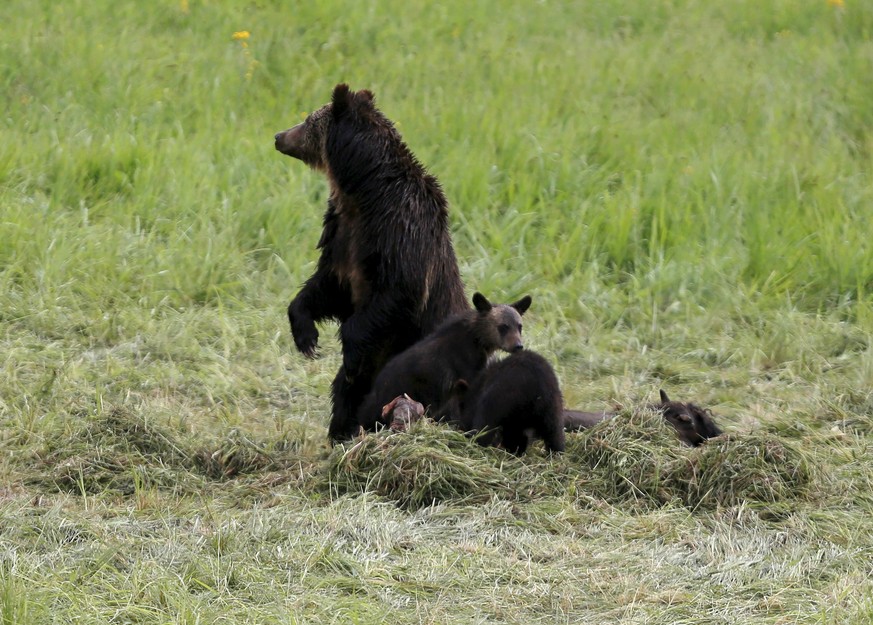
x,y
119,451
634,459
425,465
636,456
757,467
112,451
626,458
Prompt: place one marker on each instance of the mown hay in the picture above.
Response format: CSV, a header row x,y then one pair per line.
x,y
234,455
636,456
757,467
119,451
113,450
238,453
626,458
427,464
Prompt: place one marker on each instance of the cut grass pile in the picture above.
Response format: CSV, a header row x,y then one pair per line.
x,y
758,467
122,452
633,459
426,465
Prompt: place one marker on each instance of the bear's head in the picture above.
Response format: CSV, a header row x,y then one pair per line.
x,y
453,409
499,326
693,424
307,141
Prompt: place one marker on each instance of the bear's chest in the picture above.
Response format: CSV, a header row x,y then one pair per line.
x,y
349,257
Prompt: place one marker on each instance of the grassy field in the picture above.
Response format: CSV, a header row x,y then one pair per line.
x,y
683,187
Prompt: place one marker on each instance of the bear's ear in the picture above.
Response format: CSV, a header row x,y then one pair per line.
x,y
481,303
461,387
341,99
522,305
365,96
664,398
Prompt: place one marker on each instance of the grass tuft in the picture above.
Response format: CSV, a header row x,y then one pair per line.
x,y
426,465
756,467
114,451
627,458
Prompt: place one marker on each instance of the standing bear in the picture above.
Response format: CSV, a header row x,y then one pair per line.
x,y
387,271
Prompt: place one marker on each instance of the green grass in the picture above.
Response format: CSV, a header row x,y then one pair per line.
x,y
683,187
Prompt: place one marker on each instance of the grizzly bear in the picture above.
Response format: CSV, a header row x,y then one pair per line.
x,y
459,348
387,270
693,424
511,403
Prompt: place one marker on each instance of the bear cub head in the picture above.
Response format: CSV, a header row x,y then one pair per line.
x,y
307,141
499,326
693,424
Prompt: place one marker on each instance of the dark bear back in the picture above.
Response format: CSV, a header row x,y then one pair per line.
x,y
511,403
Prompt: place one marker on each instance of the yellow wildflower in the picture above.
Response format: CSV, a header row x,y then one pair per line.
x,y
183,5
241,34
840,4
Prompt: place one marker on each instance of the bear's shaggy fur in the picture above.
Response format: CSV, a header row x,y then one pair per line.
x,y
511,403
387,271
459,348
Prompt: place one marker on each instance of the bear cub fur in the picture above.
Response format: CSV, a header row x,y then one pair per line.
x,y
459,348
387,270
511,403
694,425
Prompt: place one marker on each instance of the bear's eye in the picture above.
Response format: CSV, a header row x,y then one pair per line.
x,y
503,328
519,328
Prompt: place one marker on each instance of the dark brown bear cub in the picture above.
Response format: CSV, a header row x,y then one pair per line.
x,y
387,271
457,349
694,425
511,403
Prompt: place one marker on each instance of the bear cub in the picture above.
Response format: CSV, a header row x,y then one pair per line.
x,y
387,271
694,425
511,403
459,348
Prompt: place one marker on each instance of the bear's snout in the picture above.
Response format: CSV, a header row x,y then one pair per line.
x,y
280,140
292,142
518,347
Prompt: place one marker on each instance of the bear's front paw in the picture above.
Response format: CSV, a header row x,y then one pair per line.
x,y
305,337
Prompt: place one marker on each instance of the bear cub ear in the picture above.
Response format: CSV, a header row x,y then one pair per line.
x,y
481,303
522,305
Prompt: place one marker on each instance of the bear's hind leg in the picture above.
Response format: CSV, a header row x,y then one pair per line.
x,y
347,397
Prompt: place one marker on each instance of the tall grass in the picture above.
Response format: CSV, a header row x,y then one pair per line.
x,y
683,187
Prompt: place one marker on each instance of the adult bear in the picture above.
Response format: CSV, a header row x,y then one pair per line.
x,y
387,271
